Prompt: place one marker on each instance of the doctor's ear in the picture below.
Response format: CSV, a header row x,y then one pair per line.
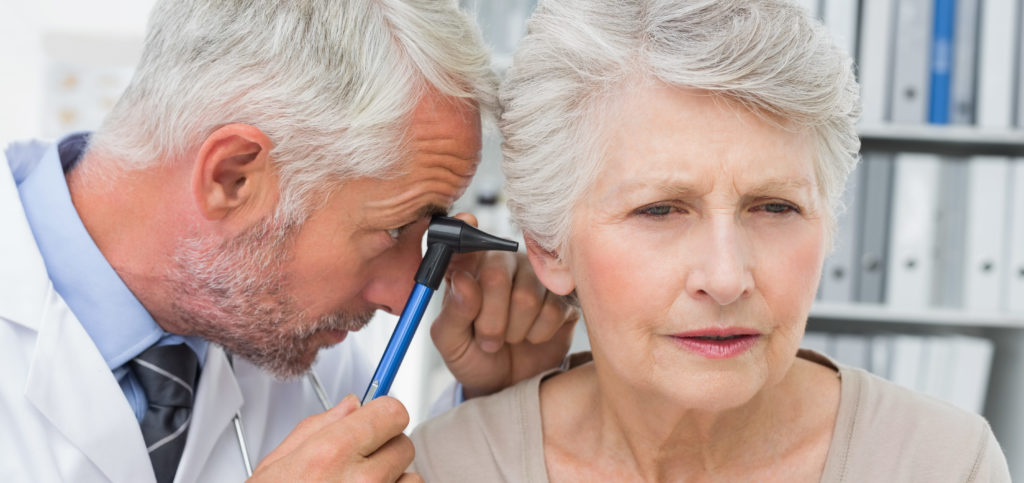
x,y
233,174
552,270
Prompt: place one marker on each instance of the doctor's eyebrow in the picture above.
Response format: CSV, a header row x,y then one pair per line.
x,y
426,211
431,210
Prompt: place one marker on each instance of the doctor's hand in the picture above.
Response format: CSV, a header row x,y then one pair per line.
x,y
346,443
498,324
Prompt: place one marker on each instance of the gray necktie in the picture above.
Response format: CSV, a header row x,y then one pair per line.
x,y
168,375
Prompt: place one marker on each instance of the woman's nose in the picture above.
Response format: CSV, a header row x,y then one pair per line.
x,y
391,278
721,267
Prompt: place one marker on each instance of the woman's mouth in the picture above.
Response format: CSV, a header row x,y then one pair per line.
x,y
715,343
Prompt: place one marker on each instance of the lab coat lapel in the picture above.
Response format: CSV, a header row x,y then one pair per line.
x,y
218,398
23,279
70,384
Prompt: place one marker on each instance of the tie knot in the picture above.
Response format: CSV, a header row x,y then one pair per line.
x,y
167,374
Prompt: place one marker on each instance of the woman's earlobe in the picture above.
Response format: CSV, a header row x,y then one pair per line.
x,y
552,270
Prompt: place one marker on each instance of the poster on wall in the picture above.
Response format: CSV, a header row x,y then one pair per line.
x,y
83,76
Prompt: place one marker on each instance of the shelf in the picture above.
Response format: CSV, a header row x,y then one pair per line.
x,y
947,140
933,317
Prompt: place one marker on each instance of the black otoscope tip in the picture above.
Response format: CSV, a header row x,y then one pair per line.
x,y
448,235
463,237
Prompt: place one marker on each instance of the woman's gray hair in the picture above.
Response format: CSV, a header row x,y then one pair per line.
x,y
331,83
768,55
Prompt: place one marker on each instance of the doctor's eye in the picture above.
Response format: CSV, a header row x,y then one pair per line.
x,y
394,233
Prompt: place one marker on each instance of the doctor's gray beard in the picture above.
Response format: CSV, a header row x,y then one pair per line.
x,y
233,293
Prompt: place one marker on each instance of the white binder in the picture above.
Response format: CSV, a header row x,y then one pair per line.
x,y
969,366
1014,300
908,361
876,196
841,19
939,355
997,63
881,355
948,289
838,282
985,265
988,176
811,6
912,244
965,48
949,277
911,64
874,59
852,350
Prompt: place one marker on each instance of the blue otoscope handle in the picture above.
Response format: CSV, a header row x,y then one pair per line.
x,y
399,343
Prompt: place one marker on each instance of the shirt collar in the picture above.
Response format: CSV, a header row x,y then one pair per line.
x,y
116,321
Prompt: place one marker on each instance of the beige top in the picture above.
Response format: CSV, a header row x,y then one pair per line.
x,y
883,432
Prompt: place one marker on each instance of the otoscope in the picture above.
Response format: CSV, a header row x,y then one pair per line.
x,y
445,236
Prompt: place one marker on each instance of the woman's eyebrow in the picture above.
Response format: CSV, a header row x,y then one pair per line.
x,y
781,185
678,187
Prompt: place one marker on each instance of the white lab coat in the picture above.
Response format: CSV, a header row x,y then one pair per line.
x,y
63,416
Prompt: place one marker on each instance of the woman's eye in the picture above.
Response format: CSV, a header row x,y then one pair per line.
x,y
656,210
394,233
779,208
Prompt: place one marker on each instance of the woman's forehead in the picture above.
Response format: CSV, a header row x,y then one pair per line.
x,y
678,137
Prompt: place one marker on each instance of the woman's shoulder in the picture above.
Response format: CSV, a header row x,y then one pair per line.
x,y
491,438
887,432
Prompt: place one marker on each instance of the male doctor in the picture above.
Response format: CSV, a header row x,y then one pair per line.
x,y
259,191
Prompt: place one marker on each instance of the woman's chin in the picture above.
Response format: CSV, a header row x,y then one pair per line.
x,y
711,391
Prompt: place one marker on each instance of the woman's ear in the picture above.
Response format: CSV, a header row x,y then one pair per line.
x,y
233,174
552,270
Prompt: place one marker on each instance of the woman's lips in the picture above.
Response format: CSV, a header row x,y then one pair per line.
x,y
718,343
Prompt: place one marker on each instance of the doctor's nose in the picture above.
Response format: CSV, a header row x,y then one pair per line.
x,y
392,276
721,269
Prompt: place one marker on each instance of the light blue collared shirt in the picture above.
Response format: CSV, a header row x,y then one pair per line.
x,y
116,321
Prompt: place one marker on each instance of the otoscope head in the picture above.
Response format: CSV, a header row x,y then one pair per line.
x,y
463,237
451,235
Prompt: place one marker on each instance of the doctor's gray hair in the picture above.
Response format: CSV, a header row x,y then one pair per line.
x,y
331,83
767,55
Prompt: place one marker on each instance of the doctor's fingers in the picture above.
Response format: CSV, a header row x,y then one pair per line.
x,y
529,304
390,461
310,426
372,426
366,445
496,277
554,316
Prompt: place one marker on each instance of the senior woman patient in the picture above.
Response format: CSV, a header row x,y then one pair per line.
x,y
676,168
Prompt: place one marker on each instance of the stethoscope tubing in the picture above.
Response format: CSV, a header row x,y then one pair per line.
x,y
243,447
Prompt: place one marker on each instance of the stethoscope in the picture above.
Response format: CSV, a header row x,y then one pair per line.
x,y
243,447
445,236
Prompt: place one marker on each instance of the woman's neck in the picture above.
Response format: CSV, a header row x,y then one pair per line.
x,y
591,418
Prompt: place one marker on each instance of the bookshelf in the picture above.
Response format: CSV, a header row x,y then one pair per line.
x,y
884,317
955,141
1001,327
